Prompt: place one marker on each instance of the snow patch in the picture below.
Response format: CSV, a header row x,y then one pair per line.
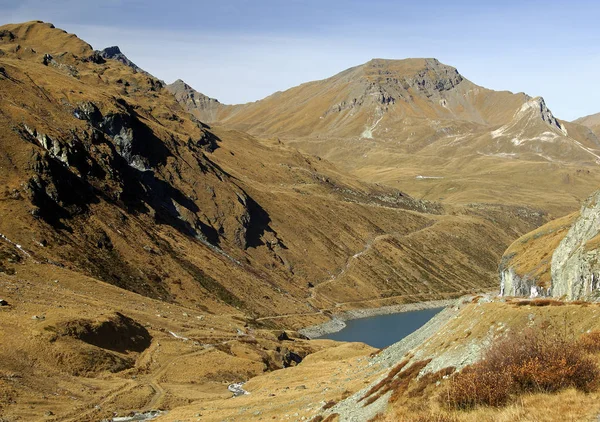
x,y
428,177
237,390
368,132
178,336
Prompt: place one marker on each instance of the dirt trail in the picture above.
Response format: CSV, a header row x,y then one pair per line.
x,y
357,255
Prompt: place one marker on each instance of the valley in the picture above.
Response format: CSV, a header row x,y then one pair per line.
x,y
162,251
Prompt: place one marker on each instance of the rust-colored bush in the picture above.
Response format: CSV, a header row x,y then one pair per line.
x,y
478,385
590,342
401,383
428,379
529,361
539,302
397,381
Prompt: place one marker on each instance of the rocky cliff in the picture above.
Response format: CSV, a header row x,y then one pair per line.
x,y
198,104
559,259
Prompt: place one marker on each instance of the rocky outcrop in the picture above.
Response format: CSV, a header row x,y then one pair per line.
x,y
115,53
575,266
547,116
534,110
381,86
200,105
434,78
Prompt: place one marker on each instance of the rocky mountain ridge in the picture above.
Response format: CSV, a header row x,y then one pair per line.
x,y
198,104
458,142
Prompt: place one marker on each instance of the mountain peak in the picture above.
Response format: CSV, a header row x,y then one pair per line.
x,y
112,51
538,106
44,38
202,106
115,53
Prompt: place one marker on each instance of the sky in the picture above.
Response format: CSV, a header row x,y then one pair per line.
x,y
240,50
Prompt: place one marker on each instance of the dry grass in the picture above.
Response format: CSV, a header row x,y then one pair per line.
x,y
386,381
329,404
436,417
526,362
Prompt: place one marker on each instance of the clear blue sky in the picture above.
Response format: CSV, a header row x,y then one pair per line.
x,y
242,50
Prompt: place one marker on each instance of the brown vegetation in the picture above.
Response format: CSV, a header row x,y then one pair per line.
x,y
329,404
396,381
590,342
539,302
526,362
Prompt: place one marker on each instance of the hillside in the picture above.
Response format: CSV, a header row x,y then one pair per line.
x,y
123,216
592,121
409,380
421,126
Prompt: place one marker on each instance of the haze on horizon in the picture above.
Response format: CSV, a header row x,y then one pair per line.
x,y
239,51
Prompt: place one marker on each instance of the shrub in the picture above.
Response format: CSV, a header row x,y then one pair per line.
x,y
529,361
590,342
386,381
539,302
478,385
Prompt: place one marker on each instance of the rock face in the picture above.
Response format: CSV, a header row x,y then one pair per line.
x,y
512,284
200,105
115,53
574,266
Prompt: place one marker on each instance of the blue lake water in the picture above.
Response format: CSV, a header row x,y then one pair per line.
x,y
382,330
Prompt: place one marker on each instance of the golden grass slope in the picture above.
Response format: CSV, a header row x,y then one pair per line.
x,y
104,172
592,121
418,125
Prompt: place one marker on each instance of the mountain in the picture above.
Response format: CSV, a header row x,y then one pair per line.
x,y
147,259
204,108
108,140
421,126
115,53
592,121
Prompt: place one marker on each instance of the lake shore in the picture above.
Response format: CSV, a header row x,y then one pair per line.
x,y
337,323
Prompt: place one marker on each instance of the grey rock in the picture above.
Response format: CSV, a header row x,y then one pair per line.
x,y
114,53
574,269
